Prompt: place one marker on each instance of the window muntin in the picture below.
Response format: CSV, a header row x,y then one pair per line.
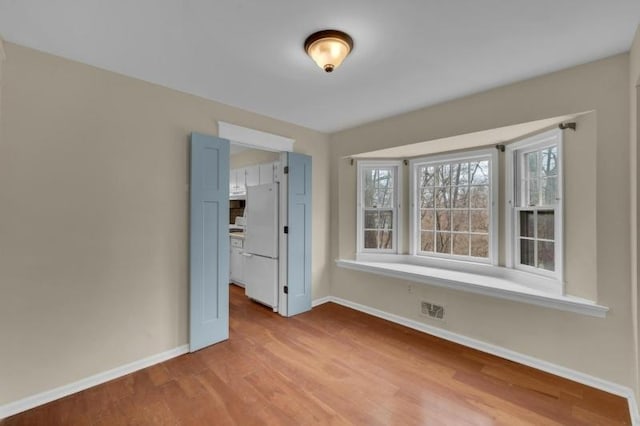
x,y
454,208
536,210
378,207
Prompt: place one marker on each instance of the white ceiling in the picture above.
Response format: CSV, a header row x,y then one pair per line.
x,y
248,53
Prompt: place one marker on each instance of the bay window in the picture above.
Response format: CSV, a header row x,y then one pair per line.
x,y
378,205
454,232
453,204
535,204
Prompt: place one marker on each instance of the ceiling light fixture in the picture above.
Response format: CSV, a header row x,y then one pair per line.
x,y
328,48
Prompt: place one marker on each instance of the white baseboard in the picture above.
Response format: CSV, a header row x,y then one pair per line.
x,y
51,395
530,361
321,301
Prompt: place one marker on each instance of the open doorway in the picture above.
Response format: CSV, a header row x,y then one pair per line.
x,y
255,220
210,192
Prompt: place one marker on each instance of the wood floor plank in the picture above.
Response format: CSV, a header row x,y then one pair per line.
x,y
332,366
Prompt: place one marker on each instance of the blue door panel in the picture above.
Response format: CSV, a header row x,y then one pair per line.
x,y
299,237
209,242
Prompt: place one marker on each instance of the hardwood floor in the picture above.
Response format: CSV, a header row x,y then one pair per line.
x,y
331,366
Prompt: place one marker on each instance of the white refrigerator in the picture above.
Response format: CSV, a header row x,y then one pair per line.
x,y
261,244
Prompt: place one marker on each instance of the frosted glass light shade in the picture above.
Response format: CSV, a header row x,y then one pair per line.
x,y
328,48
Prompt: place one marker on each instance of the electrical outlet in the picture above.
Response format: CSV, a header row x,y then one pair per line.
x,y
432,310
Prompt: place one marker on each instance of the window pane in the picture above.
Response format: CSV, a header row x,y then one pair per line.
x,y
386,239
369,197
385,220
443,242
549,189
479,171
426,197
479,245
442,197
546,255
369,178
371,239
382,178
426,241
371,219
527,252
427,219
539,180
378,178
442,220
461,244
479,197
460,174
548,164
531,165
378,207
460,197
443,175
426,176
546,224
460,220
526,224
532,193
479,221
378,239
385,197
378,198
378,188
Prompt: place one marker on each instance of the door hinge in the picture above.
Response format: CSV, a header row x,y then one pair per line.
x,y
286,289
286,229
286,170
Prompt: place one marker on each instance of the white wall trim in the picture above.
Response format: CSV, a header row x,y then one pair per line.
x,y
51,395
321,301
254,138
530,361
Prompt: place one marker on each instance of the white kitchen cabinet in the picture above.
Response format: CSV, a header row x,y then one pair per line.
x,y
237,181
259,174
266,173
236,262
253,175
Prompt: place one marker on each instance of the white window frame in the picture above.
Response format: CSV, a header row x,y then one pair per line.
x,y
396,240
488,153
513,152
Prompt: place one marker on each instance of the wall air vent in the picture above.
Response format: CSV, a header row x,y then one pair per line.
x,y
432,310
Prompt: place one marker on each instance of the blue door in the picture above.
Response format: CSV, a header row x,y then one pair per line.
x,y
299,237
209,241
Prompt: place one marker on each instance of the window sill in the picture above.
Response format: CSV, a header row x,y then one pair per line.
x,y
486,285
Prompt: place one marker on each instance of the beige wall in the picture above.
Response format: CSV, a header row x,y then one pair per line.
x,y
634,104
600,347
251,157
94,217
